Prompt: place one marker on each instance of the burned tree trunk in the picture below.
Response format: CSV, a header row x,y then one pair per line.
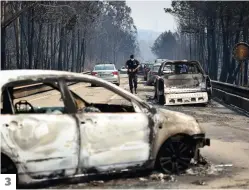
x,y
30,39
61,48
73,64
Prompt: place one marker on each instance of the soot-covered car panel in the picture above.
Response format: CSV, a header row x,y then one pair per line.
x,y
182,82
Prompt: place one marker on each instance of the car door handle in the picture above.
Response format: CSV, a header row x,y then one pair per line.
x,y
12,123
88,120
6,125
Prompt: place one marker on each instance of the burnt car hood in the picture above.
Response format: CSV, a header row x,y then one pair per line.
x,y
178,122
183,80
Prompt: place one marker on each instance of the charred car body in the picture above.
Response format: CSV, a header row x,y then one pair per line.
x,y
182,82
153,73
147,68
80,138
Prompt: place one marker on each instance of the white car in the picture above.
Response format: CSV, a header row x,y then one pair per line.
x,y
77,138
107,72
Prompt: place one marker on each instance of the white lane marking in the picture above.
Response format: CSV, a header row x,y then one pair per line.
x,y
42,97
113,97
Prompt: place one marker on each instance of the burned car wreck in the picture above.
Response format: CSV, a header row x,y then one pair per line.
x,y
182,82
81,138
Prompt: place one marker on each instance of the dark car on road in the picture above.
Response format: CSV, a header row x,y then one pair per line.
x,y
147,68
151,75
140,70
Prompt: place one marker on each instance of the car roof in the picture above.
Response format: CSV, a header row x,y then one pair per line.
x,y
186,61
104,64
101,64
176,61
18,74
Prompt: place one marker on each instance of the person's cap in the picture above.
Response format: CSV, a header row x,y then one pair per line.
x,y
132,56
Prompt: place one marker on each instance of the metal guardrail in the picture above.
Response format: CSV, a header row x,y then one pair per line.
x,y
231,94
231,88
23,91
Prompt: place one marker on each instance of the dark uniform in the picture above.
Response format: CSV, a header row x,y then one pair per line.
x,y
132,64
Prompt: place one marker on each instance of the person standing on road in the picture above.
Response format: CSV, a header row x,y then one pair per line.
x,y
132,67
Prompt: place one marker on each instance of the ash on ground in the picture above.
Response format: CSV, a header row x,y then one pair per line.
x,y
156,179
208,169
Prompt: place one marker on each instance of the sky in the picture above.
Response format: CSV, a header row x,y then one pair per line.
x,y
150,15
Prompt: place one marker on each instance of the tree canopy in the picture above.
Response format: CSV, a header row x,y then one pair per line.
x,y
207,31
165,45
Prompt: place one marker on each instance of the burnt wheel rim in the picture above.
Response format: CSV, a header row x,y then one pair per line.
x,y
175,156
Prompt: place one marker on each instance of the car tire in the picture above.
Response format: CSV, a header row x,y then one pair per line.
x,y
93,85
175,154
155,95
206,103
117,84
149,83
161,99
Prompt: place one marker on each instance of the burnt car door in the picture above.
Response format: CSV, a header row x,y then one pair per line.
x,y
113,140
42,145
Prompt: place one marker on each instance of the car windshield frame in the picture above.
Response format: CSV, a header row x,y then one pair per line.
x,y
101,67
157,68
149,66
181,69
16,85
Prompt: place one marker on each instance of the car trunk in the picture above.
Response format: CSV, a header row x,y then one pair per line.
x,y
183,80
104,73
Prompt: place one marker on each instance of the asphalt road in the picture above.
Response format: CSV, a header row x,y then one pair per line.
x,y
228,155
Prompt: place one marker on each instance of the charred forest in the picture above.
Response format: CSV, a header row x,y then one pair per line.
x,y
207,31
71,36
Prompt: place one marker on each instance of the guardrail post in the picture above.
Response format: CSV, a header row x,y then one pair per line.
x,y
242,74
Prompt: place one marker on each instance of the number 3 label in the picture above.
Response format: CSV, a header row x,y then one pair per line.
x,y
8,181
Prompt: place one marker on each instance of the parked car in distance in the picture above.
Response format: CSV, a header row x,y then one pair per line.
x,y
151,76
108,72
147,68
160,60
76,137
140,70
123,70
182,82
